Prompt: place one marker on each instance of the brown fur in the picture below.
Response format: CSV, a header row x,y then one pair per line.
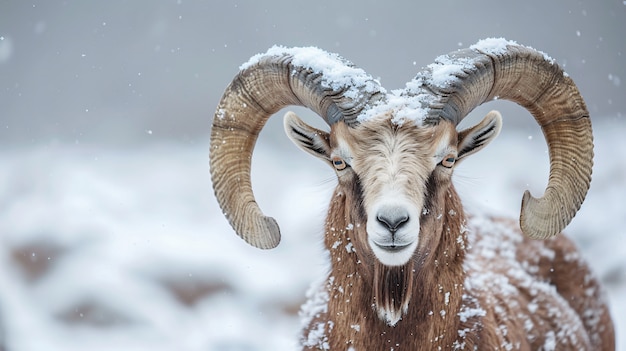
x,y
465,288
438,297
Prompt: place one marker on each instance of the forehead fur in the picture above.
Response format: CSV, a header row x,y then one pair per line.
x,y
383,138
391,157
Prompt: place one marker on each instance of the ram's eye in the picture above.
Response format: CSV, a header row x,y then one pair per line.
x,y
339,163
448,161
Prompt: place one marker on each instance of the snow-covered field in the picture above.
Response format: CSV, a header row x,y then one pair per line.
x,y
126,249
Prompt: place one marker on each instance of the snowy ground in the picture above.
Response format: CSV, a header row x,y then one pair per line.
x,y
127,250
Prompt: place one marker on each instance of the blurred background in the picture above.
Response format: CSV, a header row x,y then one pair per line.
x,y
111,72
110,236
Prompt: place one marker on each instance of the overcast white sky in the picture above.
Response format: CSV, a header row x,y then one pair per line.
x,y
120,72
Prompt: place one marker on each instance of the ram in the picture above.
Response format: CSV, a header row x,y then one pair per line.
x,y
409,269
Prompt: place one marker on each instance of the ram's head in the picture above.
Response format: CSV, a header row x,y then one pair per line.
x,y
395,175
394,152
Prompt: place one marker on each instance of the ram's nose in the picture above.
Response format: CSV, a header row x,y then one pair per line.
x,y
393,233
392,218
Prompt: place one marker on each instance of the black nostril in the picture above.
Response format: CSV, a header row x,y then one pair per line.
x,y
393,218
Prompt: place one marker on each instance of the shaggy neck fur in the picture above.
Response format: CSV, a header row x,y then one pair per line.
x,y
365,296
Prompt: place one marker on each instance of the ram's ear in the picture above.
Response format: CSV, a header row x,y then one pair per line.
x,y
475,138
312,140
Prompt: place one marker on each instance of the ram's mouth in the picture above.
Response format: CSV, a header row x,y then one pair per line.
x,y
393,253
392,248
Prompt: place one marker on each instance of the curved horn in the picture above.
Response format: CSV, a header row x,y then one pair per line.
x,y
499,69
323,82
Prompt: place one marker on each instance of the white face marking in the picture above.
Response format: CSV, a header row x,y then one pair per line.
x,y
393,228
394,167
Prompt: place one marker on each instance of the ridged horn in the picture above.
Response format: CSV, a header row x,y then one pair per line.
x,y
325,83
499,69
